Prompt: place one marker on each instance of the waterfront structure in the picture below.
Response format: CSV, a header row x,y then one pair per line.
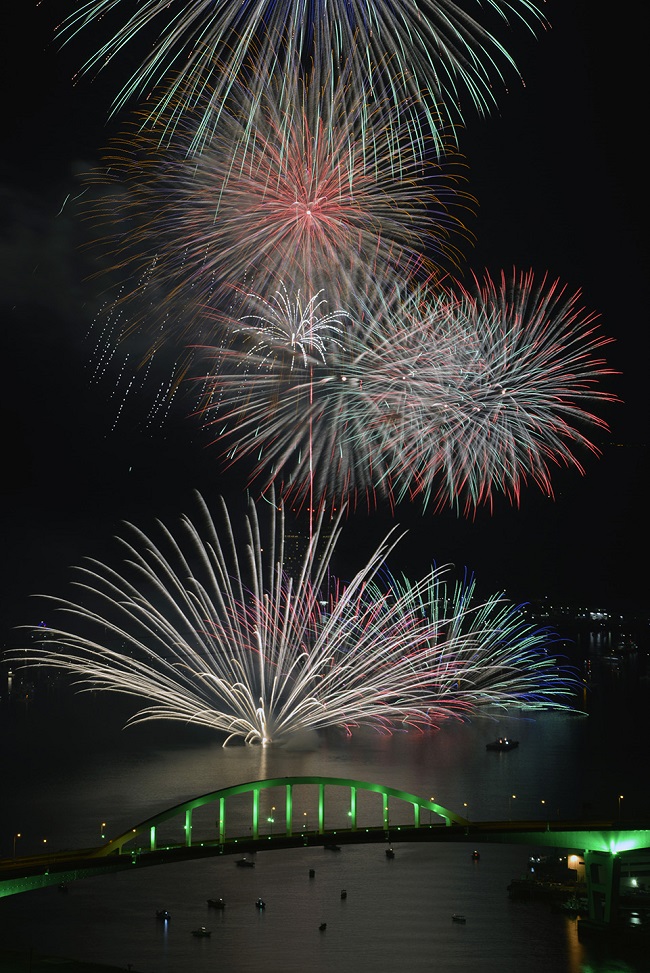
x,y
608,850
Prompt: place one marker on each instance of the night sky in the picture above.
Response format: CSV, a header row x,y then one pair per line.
x,y
557,173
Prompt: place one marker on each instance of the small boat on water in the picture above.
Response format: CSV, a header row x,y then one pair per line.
x,y
390,853
502,744
476,855
201,932
261,904
245,863
575,905
323,926
216,904
332,847
457,917
163,915
344,894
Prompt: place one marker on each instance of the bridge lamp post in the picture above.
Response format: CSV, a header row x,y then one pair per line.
x,y
620,798
513,797
305,824
271,818
102,830
432,799
16,836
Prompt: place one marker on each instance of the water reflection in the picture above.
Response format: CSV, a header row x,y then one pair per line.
x,y
70,770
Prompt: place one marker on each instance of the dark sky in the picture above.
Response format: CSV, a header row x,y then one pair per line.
x,y
557,173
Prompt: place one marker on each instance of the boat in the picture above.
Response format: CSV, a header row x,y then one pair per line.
x,y
312,872
502,744
575,905
390,853
344,894
626,646
245,863
553,891
323,926
201,932
332,847
457,917
613,661
261,904
163,915
216,904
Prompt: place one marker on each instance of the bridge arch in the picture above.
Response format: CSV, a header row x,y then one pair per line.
x,y
603,843
148,829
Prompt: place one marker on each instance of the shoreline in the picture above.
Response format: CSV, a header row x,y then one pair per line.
x,y
31,961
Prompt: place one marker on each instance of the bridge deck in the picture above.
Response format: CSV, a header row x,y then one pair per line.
x,y
600,842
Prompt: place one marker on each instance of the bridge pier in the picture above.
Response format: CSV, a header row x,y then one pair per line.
x,y
603,871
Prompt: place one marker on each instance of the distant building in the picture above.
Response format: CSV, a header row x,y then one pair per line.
x,y
296,542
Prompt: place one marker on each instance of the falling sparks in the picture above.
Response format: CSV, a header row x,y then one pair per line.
x,y
218,631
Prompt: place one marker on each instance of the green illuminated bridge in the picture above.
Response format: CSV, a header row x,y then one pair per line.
x,y
268,815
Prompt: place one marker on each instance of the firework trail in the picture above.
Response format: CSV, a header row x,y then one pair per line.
x,y
449,397
216,631
434,51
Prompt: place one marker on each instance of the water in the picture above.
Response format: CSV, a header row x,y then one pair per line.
x,y
69,768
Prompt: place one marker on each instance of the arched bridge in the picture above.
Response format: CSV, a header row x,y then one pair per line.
x,y
291,824
347,811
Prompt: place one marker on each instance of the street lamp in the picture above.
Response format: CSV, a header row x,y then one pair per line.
x,y
620,798
305,824
513,797
103,830
271,818
17,835
543,803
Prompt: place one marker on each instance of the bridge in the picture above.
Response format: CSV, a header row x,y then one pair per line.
x,y
347,811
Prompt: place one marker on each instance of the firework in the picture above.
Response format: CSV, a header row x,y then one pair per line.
x,y
285,189
449,397
291,327
528,361
434,51
210,630
489,646
331,426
